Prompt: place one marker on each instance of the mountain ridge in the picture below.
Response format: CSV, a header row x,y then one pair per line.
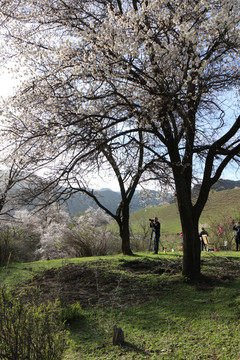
x,y
80,202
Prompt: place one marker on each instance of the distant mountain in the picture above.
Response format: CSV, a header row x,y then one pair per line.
x,y
223,184
220,185
110,199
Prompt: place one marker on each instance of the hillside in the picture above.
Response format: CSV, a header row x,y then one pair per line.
x,y
220,204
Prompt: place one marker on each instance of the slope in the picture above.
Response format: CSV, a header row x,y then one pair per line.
x,y
220,204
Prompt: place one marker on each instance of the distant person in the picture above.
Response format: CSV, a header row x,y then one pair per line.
x,y
220,230
236,228
180,234
203,245
180,247
155,225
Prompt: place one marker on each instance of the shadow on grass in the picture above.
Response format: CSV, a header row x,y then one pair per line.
x,y
131,347
87,334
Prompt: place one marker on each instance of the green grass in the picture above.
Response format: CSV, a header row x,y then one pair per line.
x,y
180,321
182,324
16,273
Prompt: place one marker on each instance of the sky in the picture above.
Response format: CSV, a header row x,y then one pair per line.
x,y
231,174
6,88
6,85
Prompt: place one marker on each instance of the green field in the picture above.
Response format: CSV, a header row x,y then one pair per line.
x,y
162,316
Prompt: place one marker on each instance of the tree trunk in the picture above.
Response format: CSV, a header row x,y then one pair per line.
x,y
191,250
123,223
191,241
125,237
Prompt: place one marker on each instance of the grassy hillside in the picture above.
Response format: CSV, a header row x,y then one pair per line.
x,y
220,204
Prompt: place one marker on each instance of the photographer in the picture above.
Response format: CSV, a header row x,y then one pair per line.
x,y
155,225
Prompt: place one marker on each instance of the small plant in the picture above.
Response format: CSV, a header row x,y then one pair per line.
x,y
71,312
30,329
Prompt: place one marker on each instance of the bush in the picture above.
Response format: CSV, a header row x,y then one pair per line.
x,y
226,239
16,245
88,235
6,240
71,312
88,241
29,329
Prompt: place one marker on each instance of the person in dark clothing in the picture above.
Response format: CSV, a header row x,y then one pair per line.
x,y
236,228
155,225
203,245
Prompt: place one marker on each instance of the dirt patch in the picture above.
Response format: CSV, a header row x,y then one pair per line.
x,y
154,267
100,283
130,282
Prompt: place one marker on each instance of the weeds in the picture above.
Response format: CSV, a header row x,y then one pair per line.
x,y
29,329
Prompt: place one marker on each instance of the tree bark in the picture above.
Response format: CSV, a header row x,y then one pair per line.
x,y
189,221
191,249
123,222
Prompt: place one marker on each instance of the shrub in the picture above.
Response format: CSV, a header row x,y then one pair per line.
x,y
140,239
226,239
6,239
17,245
88,241
29,329
88,235
71,312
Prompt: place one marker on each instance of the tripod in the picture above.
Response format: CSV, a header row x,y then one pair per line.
x,y
151,241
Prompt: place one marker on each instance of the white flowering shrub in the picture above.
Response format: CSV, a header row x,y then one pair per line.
x,y
29,235
89,236
52,244
19,237
55,222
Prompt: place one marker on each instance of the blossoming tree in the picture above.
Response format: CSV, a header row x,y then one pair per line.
x,y
158,68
